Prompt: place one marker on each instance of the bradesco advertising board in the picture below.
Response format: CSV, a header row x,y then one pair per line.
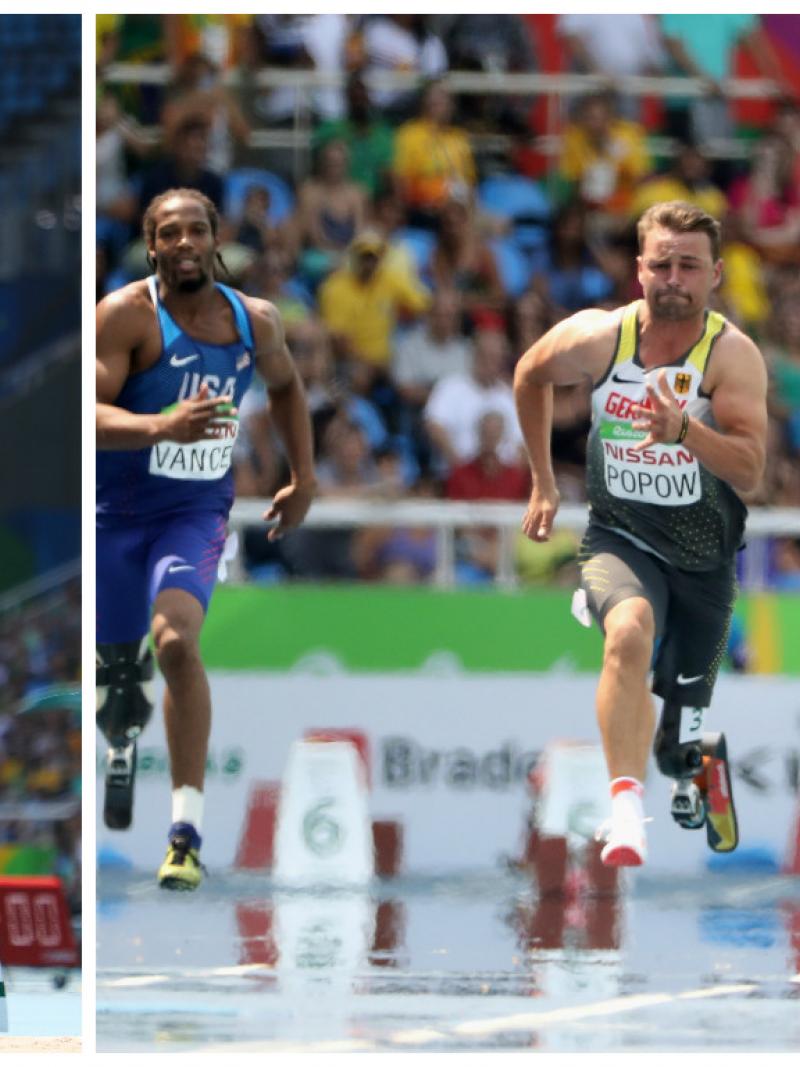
x,y
449,759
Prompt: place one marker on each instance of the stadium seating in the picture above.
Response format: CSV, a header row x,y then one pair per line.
x,y
237,182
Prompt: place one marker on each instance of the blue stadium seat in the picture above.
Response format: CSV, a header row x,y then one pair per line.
x,y
515,270
514,197
419,242
238,181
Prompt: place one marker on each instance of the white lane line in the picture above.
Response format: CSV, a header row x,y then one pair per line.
x,y
194,974
139,980
525,1020
418,1037
341,1045
533,1020
240,969
716,991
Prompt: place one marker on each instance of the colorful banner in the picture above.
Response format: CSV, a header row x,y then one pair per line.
x,y
322,629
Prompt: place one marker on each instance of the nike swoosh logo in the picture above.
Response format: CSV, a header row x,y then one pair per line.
x,y
181,361
243,361
626,381
179,567
688,681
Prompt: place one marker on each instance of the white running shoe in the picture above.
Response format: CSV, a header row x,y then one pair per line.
x,y
625,843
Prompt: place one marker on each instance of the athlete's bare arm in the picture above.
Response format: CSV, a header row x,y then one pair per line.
x,y
126,344
289,411
736,379
574,350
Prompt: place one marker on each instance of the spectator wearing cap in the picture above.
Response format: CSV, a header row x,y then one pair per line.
x,y
361,303
433,158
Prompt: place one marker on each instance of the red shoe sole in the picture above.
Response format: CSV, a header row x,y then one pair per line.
x,y
622,856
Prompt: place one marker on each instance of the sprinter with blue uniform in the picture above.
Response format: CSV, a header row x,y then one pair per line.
x,y
175,354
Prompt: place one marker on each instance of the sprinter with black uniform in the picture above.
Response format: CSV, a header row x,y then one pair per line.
x,y
678,430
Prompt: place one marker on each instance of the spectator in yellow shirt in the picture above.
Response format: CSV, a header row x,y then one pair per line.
x,y
432,159
688,180
603,157
361,303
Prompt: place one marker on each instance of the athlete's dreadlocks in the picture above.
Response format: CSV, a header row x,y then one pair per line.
x,y
149,220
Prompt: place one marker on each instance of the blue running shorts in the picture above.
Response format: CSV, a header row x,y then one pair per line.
x,y
137,560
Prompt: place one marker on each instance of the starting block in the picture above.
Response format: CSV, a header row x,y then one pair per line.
x,y
323,832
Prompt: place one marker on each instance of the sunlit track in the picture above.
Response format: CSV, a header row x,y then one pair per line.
x,y
467,963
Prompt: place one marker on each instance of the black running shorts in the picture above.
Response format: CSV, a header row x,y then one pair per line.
x,y
692,610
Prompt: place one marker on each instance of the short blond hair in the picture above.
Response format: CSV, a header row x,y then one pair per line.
x,y
680,217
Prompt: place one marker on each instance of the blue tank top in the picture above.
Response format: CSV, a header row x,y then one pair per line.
x,y
170,477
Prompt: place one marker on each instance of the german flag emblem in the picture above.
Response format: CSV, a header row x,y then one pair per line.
x,y
682,383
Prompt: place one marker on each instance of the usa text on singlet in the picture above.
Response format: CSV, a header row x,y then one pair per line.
x,y
170,476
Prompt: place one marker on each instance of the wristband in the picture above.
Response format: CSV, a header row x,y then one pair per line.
x,y
684,428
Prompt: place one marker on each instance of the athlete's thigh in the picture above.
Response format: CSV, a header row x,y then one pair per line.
x,y
613,569
696,636
121,585
185,555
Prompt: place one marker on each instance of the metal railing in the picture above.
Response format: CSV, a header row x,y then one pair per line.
x,y
559,89
448,516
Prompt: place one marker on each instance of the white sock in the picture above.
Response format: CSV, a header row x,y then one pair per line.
x,y
626,800
187,806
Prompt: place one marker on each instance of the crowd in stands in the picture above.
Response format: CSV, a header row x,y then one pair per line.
x,y
434,236
40,733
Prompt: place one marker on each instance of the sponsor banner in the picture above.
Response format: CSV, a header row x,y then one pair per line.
x,y
368,629
449,759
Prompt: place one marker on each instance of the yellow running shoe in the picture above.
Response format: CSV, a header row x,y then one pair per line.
x,y
182,869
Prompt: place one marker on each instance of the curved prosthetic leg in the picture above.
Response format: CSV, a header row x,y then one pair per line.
x,y
698,762
124,674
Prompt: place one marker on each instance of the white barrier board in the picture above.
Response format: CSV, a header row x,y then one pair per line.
x,y
449,758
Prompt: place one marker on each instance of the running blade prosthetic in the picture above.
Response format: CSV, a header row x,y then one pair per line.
x,y
120,776
707,799
722,829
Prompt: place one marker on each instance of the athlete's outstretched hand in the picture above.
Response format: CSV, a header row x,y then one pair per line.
x,y
193,419
661,418
542,507
289,507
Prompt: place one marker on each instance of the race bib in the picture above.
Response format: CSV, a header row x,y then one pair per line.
x,y
668,475
205,461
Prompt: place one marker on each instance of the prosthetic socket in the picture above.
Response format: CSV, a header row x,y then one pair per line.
x,y
676,759
125,695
